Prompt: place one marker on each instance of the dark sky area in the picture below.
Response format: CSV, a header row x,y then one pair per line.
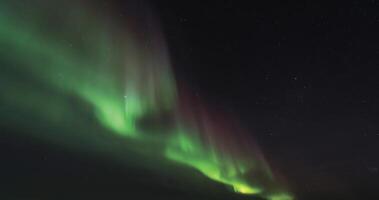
x,y
302,76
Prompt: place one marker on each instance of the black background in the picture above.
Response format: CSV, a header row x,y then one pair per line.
x,y
303,76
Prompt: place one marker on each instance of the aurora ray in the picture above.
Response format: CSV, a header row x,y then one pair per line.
x,y
120,74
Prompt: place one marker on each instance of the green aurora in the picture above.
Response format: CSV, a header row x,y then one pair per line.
x,y
60,60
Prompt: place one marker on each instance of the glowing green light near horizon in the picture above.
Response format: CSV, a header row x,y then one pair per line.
x,y
280,196
188,151
121,81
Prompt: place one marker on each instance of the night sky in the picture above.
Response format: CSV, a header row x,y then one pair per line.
x,y
302,78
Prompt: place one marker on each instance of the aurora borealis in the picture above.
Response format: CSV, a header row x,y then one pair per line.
x,y
62,62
